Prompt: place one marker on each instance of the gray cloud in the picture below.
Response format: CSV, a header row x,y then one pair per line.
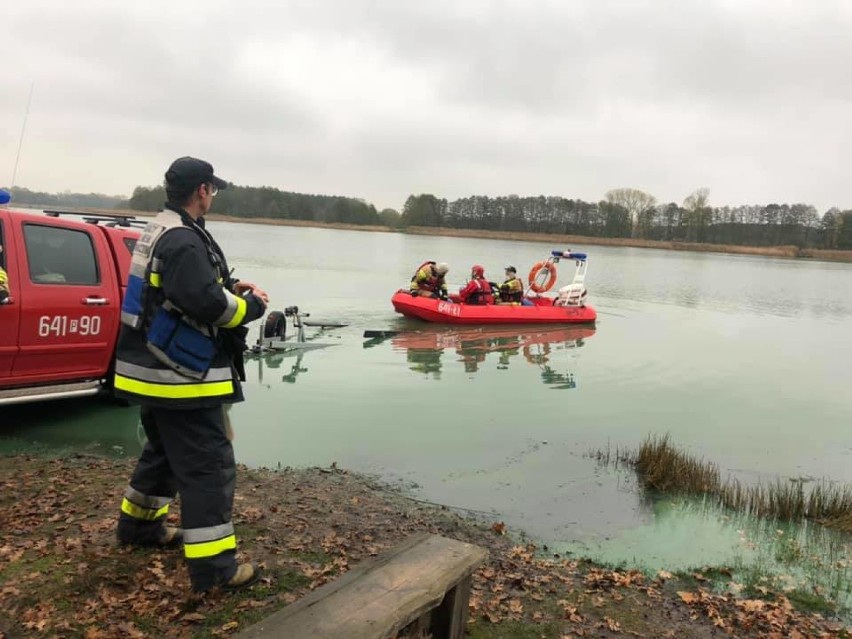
x,y
381,99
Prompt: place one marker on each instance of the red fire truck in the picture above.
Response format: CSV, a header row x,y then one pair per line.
x,y
59,324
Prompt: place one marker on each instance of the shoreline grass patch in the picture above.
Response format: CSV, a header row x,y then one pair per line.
x,y
662,467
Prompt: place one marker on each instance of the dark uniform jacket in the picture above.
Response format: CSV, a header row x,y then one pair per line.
x,y
188,270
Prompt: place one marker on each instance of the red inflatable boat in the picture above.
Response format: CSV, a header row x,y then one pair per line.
x,y
568,307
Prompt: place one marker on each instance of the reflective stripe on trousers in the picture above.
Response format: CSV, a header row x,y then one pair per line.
x,y
210,541
141,506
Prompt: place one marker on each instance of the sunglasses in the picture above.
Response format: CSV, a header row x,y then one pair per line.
x,y
212,189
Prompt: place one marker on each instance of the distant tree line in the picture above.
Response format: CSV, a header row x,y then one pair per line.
x,y
23,196
633,213
267,202
627,213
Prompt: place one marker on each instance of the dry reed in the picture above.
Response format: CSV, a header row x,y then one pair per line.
x,y
664,468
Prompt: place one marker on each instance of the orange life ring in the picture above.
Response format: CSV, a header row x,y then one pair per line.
x,y
550,267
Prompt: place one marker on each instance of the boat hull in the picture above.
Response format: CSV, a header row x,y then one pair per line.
x,y
542,312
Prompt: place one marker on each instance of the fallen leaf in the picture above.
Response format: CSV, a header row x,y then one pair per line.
x,y
612,624
193,616
499,527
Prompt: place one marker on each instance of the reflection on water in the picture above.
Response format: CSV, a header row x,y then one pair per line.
x,y
271,364
79,425
272,353
548,349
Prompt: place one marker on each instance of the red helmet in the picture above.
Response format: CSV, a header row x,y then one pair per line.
x,y
477,271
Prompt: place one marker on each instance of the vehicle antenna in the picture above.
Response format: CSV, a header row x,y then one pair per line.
x,y
23,129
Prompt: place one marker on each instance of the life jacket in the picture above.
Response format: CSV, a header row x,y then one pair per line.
x,y
432,284
483,295
507,294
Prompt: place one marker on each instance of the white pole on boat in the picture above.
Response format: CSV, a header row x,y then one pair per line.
x,y
23,129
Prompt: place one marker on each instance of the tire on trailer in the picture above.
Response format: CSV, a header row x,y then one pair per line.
x,y
275,325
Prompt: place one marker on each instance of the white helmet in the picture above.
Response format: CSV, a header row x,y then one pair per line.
x,y
441,268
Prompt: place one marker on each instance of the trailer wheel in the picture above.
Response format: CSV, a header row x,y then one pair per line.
x,y
275,325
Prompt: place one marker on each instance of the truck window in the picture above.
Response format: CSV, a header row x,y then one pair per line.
x,y
58,255
130,243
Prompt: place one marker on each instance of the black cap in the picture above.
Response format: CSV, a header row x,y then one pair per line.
x,y
511,268
188,173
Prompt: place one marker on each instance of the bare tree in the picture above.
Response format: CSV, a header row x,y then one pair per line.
x,y
699,214
635,201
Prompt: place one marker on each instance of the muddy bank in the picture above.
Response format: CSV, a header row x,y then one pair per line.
x,y
62,574
563,240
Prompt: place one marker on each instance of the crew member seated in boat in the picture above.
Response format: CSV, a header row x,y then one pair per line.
x,y
478,289
512,290
429,280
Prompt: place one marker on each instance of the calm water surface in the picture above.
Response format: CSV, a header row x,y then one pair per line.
x,y
743,360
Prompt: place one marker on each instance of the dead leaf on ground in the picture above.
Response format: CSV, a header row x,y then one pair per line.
x,y
193,617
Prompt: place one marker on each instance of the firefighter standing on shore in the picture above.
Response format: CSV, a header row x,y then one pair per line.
x,y
179,355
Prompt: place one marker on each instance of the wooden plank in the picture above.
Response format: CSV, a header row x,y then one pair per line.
x,y
379,598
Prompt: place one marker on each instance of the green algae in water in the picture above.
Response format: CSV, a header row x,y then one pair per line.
x,y
686,535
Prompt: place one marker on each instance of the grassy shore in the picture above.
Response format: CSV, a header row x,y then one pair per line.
x,y
548,238
63,575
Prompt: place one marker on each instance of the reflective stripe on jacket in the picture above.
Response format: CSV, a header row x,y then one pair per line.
x,y
177,264
4,284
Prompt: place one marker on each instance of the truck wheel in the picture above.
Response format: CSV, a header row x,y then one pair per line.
x,y
275,325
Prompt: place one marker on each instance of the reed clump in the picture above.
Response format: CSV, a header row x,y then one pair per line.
x,y
664,468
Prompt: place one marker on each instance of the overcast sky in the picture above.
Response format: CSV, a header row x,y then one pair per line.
x,y
380,99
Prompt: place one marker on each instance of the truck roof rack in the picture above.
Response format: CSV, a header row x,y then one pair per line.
x,y
106,218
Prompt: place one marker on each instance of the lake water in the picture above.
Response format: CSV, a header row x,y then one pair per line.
x,y
744,361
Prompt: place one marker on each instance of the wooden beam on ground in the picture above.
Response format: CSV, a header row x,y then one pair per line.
x,y
426,579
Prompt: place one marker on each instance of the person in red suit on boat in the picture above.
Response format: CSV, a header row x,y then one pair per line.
x,y
478,289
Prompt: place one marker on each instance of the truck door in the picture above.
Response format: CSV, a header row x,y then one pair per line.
x,y
10,308
69,317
